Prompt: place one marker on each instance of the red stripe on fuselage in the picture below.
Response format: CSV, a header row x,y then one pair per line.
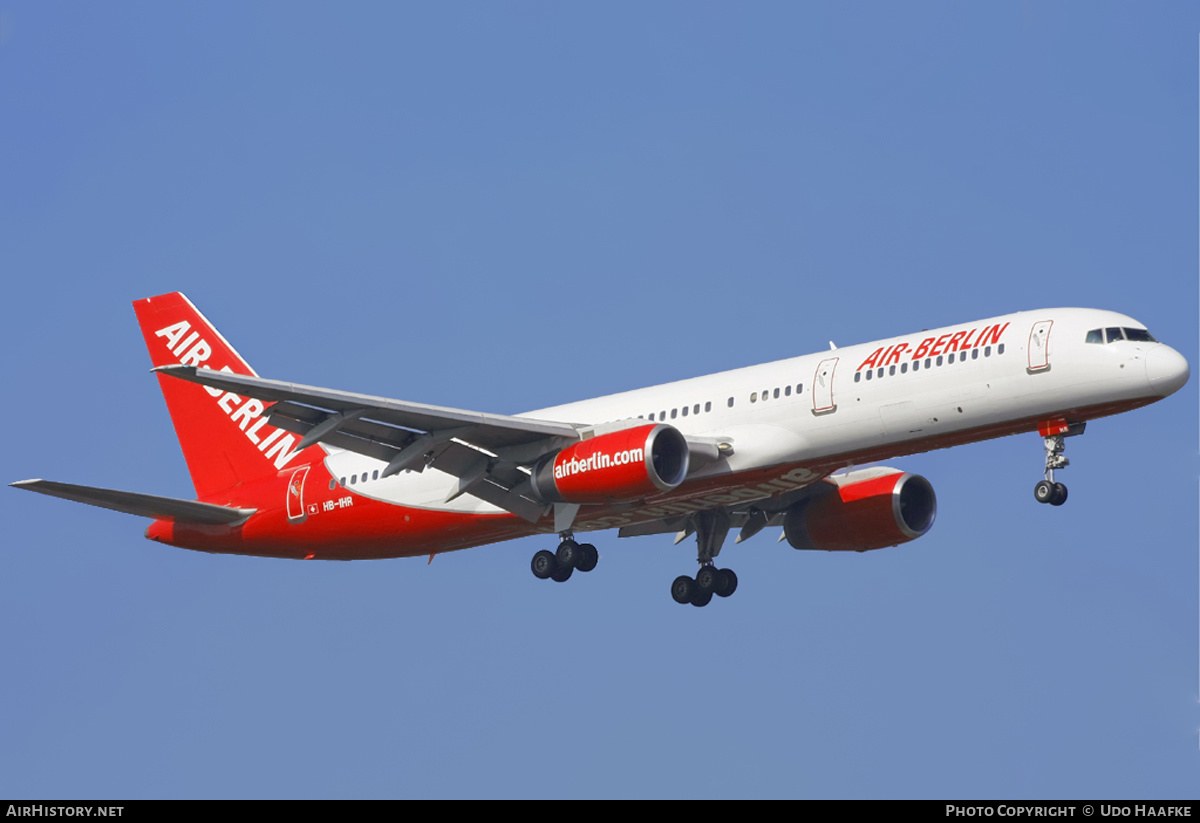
x,y
374,529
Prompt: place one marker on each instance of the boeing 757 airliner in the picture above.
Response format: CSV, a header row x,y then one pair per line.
x,y
284,470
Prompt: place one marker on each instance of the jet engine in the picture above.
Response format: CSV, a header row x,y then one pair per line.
x,y
620,465
864,514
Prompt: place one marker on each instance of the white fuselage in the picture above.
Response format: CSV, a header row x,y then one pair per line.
x,y
799,419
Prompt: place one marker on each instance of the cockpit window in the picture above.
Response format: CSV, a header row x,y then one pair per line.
x,y
1139,336
1114,334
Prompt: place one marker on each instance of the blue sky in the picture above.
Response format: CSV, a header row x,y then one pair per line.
x,y
508,206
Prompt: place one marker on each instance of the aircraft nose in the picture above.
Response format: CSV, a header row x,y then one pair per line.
x,y
1166,370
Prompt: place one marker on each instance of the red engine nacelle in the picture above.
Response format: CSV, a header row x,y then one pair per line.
x,y
861,515
621,465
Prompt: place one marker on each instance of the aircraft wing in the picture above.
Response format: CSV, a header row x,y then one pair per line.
x,y
489,453
145,505
491,431
749,517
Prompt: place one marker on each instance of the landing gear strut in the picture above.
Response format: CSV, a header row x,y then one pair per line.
x,y
560,565
1053,440
710,528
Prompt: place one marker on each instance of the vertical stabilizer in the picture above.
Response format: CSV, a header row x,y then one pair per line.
x,y
226,439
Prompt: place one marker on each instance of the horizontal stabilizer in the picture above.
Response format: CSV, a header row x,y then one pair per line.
x,y
145,505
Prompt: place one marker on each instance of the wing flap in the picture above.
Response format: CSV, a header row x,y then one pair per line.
x,y
143,505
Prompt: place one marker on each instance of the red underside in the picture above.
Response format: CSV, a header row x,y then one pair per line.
x,y
369,528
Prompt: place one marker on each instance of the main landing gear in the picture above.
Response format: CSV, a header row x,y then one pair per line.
x,y
708,581
710,528
560,565
1053,439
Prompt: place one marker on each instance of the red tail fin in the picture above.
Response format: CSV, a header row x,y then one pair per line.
x,y
226,439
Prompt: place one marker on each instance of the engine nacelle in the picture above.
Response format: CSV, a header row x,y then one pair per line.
x,y
620,465
865,514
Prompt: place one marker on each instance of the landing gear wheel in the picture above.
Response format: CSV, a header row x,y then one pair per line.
x,y
1060,495
562,574
588,557
708,579
702,599
730,583
568,554
684,589
544,565
1044,492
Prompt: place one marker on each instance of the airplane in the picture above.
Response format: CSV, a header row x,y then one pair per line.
x,y
292,471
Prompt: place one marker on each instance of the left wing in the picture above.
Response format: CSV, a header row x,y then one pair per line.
x,y
488,453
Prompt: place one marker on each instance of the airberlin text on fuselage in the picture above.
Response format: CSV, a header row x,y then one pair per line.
x,y
933,346
194,350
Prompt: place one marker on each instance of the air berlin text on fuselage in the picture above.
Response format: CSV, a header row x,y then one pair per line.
x,y
933,346
194,350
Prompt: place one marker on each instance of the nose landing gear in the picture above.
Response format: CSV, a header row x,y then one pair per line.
x,y
1053,435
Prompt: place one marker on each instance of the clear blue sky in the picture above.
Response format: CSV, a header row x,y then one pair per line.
x,y
505,206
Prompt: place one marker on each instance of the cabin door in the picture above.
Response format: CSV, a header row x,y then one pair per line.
x,y
823,386
295,496
1039,345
